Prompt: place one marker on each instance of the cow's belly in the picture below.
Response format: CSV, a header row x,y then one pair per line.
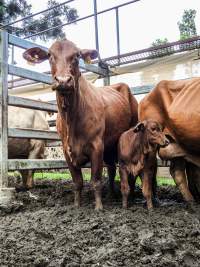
x,y
18,148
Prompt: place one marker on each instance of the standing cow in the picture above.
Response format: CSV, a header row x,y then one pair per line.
x,y
26,148
175,105
137,156
90,120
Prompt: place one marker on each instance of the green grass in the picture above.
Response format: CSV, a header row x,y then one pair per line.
x,y
86,175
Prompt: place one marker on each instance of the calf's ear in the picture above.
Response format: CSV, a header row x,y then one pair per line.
x,y
139,127
89,54
35,55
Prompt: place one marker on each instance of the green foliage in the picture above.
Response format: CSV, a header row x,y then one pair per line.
x,y
159,42
10,10
187,25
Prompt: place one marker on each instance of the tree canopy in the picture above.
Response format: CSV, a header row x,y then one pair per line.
x,y
187,25
11,10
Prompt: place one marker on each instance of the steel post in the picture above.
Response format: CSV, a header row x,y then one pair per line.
x,y
6,193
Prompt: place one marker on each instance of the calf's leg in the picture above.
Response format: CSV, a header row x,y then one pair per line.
x,y
147,188
177,171
124,186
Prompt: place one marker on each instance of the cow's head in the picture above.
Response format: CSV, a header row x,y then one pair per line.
x,y
153,132
64,58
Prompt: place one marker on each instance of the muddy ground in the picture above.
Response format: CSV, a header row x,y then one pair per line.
x,y
46,230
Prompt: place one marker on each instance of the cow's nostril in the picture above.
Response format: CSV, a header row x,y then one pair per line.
x,y
57,80
166,142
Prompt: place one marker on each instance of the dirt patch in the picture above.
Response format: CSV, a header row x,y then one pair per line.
x,y
46,230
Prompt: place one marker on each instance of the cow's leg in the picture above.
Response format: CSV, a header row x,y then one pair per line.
x,y
124,186
24,174
131,182
77,178
30,181
111,174
193,177
177,171
96,172
147,188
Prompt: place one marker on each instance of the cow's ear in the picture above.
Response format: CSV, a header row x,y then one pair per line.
x,y
89,54
35,55
140,127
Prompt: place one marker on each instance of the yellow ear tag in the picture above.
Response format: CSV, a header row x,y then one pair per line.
x,y
30,63
88,60
33,59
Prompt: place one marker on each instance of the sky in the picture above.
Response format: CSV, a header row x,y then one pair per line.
x,y
140,24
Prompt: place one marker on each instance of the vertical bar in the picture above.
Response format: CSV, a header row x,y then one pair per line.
x,y
96,25
106,80
12,62
4,110
117,33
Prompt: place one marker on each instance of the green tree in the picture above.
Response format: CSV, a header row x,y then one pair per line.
x,y
159,42
187,25
11,10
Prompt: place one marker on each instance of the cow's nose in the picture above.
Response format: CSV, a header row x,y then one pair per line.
x,y
63,80
166,142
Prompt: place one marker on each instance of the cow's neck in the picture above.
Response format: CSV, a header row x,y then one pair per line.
x,y
72,106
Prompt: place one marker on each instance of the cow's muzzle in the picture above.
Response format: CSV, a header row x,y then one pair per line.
x,y
165,143
63,83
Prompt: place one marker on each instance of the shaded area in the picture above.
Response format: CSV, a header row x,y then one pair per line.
x,y
46,230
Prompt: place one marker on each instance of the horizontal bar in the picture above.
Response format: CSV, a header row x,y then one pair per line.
x,y
34,164
33,104
45,78
32,134
29,74
16,41
38,164
53,143
144,89
92,68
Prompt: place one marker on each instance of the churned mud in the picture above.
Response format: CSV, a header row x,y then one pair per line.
x,y
43,229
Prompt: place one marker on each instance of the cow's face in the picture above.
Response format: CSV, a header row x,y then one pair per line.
x,y
64,58
153,132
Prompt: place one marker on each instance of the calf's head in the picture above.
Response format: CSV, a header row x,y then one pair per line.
x,y
64,58
152,133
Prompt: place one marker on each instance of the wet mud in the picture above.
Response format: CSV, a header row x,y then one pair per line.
x,y
44,229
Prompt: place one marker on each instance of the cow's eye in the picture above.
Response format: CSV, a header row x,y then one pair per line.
x,y
75,60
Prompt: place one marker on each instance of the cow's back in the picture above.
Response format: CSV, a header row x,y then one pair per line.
x,y
175,104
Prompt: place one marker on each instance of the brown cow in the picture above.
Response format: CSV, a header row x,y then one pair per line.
x,y
175,105
90,120
137,156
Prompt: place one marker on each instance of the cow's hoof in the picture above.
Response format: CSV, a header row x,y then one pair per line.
x,y
191,206
77,205
150,211
21,188
99,207
156,202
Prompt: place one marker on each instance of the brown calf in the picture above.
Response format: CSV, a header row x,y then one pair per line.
x,y
137,156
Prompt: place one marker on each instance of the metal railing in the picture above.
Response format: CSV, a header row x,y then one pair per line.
x,y
5,100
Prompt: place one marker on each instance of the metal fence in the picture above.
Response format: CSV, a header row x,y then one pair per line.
x,y
5,100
